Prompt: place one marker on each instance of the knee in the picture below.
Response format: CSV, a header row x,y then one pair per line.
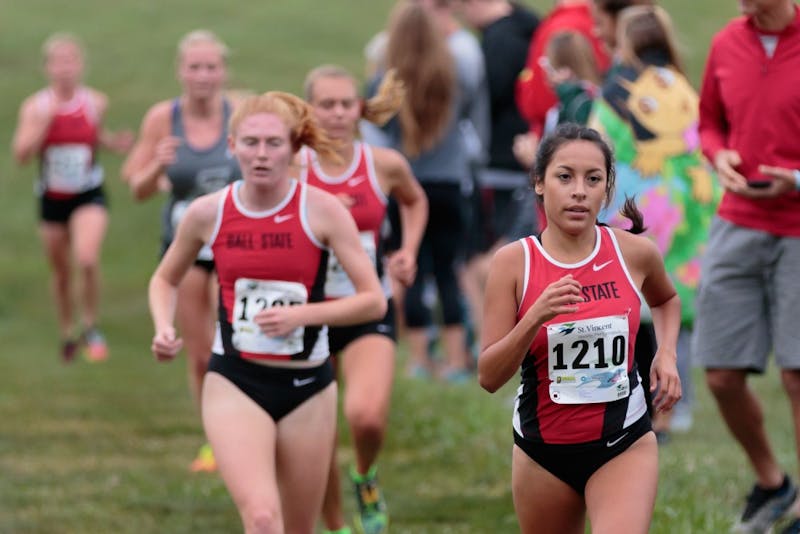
x,y
725,383
198,363
61,277
87,264
365,422
262,519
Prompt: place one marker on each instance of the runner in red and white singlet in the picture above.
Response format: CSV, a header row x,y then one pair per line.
x,y
68,152
563,308
61,126
269,397
293,275
361,192
364,178
579,381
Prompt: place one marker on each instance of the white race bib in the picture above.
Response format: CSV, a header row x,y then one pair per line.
x,y
588,360
253,296
337,283
68,169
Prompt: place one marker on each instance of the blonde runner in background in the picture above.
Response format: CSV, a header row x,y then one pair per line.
x,y
61,125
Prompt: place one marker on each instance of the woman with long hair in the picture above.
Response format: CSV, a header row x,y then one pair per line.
x,y
428,130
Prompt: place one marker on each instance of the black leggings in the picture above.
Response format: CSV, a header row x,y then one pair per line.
x,y
441,248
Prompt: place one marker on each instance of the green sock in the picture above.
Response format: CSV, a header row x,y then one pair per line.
x,y
358,477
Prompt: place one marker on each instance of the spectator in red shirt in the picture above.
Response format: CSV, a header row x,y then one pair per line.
x,y
533,94
749,290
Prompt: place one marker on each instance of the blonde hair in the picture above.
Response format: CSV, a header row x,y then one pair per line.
x,y
378,109
418,51
202,37
61,38
641,28
295,113
570,49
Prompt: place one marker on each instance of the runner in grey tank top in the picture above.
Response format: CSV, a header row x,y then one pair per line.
x,y
195,173
182,148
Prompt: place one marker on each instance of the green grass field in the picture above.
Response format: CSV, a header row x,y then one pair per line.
x,y
105,448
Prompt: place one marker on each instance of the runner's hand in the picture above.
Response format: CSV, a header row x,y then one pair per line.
x,y
166,344
562,296
166,151
279,321
403,266
664,381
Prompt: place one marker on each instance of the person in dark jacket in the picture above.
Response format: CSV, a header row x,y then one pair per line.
x,y
506,200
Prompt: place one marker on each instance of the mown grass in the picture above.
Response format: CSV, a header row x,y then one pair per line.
x,y
105,448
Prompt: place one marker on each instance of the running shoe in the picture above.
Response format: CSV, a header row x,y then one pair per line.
x,y
69,350
205,462
457,376
96,348
765,507
420,372
371,517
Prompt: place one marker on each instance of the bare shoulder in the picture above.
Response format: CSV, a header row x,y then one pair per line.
x,y
393,170
99,100
203,210
29,105
323,203
509,258
157,117
388,160
639,251
506,273
387,155
327,216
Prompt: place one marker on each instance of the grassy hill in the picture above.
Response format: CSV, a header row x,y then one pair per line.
x,y
104,448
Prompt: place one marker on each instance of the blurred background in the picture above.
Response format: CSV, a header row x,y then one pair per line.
x,y
104,447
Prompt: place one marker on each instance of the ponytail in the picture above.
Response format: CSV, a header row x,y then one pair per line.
x,y
387,101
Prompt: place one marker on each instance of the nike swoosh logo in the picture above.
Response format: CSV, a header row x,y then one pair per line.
x,y
612,443
596,267
283,218
352,182
300,382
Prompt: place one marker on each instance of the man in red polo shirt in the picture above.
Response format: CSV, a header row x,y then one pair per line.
x,y
749,287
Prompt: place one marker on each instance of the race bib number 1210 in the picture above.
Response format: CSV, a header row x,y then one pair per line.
x,y
588,360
